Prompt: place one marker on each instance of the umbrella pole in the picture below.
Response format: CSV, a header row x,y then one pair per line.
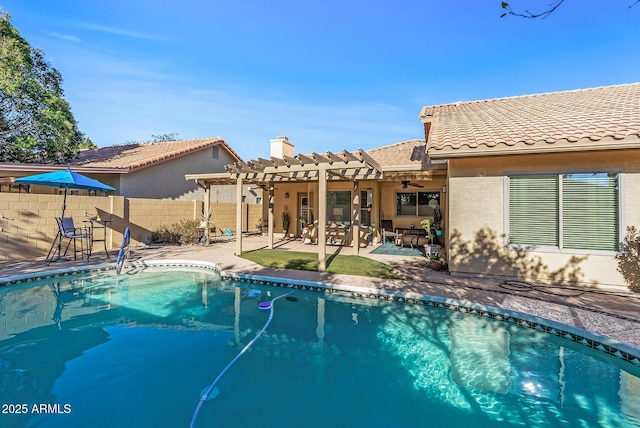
x,y
64,206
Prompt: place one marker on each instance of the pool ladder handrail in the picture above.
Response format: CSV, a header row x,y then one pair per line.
x,y
123,254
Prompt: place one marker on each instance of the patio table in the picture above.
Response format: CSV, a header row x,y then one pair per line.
x,y
100,225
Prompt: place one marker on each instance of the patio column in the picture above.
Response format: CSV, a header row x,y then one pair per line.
x,y
270,217
239,216
355,218
207,198
322,218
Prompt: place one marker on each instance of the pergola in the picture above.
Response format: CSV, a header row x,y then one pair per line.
x,y
320,168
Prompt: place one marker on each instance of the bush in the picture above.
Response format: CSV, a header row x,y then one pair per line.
x,y
185,232
629,259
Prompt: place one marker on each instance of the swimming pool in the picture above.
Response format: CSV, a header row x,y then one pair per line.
x,y
100,350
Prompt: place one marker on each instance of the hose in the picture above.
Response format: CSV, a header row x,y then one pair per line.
x,y
247,346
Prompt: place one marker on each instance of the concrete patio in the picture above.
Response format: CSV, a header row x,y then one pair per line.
x,y
613,314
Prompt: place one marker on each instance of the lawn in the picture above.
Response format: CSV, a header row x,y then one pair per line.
x,y
349,265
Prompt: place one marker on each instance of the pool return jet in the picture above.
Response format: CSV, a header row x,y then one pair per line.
x,y
211,392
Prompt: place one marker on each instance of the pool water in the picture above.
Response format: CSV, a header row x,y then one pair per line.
x,y
138,349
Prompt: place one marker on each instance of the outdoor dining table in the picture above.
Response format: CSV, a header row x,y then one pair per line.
x,y
98,225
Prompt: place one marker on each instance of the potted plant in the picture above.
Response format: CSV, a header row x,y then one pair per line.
x,y
205,218
285,223
426,225
437,218
437,260
371,231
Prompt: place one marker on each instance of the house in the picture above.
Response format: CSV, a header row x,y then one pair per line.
x,y
339,195
141,170
540,186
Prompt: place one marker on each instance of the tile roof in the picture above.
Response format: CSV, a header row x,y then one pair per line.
x,y
135,156
409,153
595,116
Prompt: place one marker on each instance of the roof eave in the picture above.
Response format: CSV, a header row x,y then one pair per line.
x,y
28,167
630,142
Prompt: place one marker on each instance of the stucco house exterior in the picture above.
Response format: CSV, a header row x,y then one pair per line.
x,y
143,170
341,195
540,186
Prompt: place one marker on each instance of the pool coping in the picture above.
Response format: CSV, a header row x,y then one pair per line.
x,y
598,342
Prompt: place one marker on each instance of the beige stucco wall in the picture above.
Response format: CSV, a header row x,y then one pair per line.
x,y
477,218
166,179
27,221
383,206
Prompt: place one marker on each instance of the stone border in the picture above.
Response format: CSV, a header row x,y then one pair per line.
x,y
600,343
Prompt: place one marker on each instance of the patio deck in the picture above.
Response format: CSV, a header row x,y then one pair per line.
x,y
614,314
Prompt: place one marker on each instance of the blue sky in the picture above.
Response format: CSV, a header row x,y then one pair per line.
x,y
330,75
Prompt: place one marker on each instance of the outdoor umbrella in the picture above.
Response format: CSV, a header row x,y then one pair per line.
x,y
64,179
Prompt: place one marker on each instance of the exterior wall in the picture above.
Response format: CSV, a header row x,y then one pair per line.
x,y
388,192
383,205
166,179
477,217
27,220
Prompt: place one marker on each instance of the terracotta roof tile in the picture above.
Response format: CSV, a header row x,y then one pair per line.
x,y
405,153
574,116
140,155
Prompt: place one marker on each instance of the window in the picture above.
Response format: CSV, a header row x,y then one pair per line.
x,y
339,207
417,204
567,211
215,152
366,207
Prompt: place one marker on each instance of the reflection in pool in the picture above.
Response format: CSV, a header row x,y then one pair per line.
x,y
137,350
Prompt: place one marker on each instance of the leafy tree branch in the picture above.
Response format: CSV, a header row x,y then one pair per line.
x,y
542,15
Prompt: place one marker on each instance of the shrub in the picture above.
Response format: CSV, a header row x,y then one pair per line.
x,y
185,232
629,259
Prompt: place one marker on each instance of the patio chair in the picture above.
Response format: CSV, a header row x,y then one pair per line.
x,y
386,227
67,230
228,233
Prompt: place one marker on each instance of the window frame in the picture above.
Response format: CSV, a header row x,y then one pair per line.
x,y
560,249
417,206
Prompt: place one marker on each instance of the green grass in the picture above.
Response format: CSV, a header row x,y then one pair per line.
x,y
349,265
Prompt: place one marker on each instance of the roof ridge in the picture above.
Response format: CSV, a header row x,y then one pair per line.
x,y
410,140
138,155
569,91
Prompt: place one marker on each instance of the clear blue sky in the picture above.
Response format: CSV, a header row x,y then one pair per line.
x,y
330,75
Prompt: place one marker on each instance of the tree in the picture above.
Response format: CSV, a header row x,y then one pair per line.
x,y
36,123
160,138
87,144
552,7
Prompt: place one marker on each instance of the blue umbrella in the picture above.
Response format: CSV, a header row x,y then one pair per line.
x,y
64,179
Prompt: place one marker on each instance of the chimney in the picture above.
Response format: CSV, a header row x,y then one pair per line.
x,y
280,147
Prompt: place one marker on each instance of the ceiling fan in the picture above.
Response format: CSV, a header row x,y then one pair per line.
x,y
406,183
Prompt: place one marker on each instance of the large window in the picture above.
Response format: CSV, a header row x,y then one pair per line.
x,y
567,211
417,204
339,207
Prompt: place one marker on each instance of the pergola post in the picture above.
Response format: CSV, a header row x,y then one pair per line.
x,y
355,216
322,218
270,217
207,198
239,216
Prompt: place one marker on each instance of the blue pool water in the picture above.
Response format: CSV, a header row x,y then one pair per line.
x,y
138,349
